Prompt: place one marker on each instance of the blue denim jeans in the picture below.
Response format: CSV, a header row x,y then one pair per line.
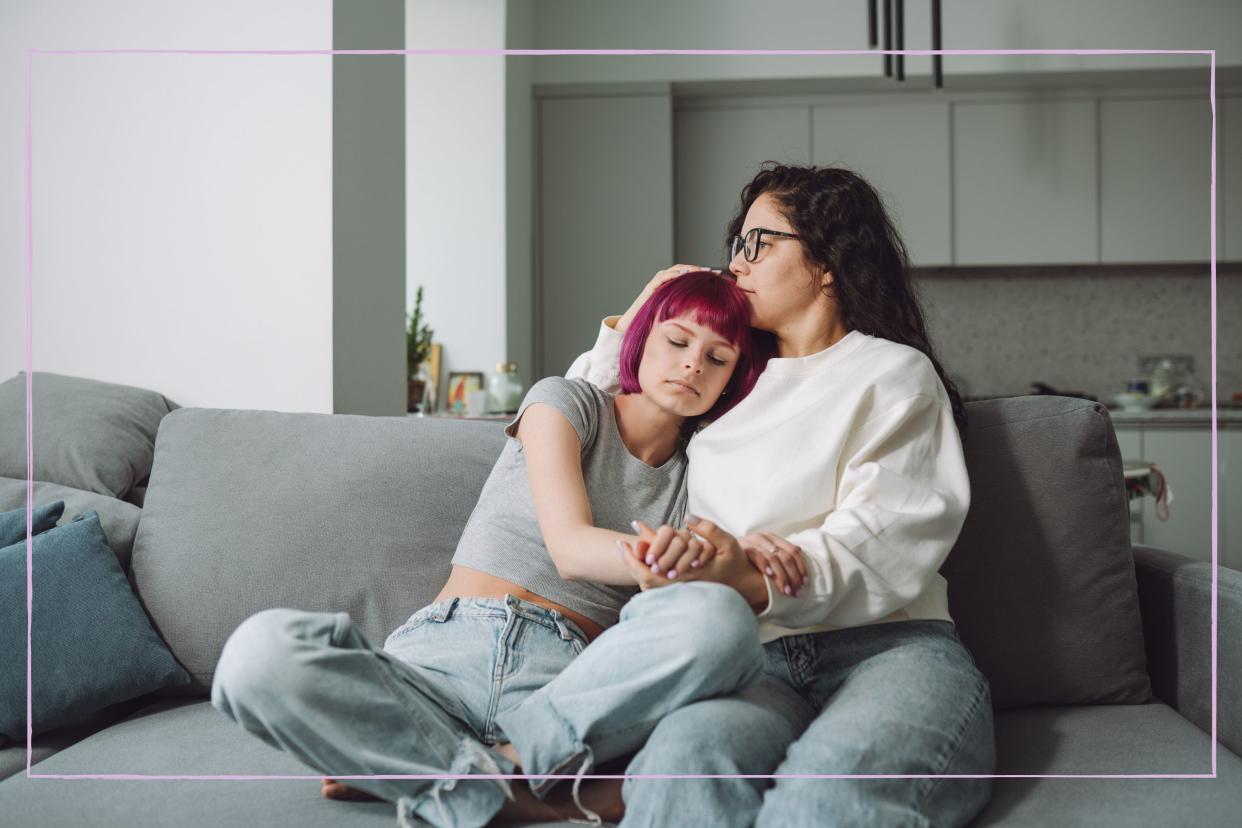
x,y
893,698
463,674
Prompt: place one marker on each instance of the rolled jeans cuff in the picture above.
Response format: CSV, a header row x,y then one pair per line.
x,y
547,743
473,805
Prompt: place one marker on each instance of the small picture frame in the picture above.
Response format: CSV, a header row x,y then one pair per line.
x,y
461,384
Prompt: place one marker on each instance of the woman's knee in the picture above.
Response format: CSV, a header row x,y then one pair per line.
x,y
258,657
706,615
723,627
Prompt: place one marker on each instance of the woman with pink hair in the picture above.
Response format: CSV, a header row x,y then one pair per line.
x,y
465,686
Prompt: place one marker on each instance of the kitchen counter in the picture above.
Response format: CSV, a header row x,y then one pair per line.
x,y
1176,416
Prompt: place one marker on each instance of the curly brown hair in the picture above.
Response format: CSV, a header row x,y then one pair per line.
x,y
845,229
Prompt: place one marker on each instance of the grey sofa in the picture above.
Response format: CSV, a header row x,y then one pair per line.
x,y
1099,655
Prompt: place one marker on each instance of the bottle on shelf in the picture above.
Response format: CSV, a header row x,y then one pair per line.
x,y
504,389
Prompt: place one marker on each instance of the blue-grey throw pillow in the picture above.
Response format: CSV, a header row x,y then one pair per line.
x,y
13,524
92,644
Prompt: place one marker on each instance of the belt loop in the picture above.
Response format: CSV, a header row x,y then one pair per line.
x,y
444,610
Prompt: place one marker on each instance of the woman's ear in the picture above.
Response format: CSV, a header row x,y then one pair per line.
x,y
825,284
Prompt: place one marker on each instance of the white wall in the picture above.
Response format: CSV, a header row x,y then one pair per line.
x,y
455,172
519,201
842,24
182,203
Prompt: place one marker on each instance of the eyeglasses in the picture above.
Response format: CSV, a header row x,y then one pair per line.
x,y
750,244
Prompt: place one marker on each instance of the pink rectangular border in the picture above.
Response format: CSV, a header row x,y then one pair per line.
x,y
30,462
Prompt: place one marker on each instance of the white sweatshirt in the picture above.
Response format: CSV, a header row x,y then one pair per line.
x,y
851,454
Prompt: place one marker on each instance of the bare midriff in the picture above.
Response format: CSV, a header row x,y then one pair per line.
x,y
464,582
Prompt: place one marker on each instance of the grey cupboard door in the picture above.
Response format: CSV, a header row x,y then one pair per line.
x,y
1185,457
1229,178
903,150
718,152
605,215
1130,442
1024,179
1155,180
1229,496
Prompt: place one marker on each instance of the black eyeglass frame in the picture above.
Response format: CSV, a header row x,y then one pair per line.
x,y
758,233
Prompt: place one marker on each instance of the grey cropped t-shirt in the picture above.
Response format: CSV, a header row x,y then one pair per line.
x,y
503,538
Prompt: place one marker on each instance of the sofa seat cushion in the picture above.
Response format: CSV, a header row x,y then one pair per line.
x,y
13,753
1109,739
181,737
1104,738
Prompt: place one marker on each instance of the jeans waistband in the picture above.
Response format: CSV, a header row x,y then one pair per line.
x,y
501,607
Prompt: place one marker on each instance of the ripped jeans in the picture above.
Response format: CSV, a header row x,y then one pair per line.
x,y
463,674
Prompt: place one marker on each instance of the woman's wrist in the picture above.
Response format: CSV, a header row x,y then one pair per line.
x,y
754,588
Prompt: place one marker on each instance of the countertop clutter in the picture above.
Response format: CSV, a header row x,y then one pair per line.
x,y
1176,416
1158,412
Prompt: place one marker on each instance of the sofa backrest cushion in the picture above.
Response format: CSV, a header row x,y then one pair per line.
x,y
118,517
92,435
1041,581
248,510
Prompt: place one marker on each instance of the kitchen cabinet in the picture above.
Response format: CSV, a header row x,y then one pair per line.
x,y
717,152
1155,176
903,150
1185,457
1025,182
1229,496
1130,442
1184,454
1229,171
604,223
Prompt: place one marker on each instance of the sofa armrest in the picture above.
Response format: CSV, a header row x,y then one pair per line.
x,y
1175,600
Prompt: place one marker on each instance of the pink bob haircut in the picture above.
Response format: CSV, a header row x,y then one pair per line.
x,y
715,302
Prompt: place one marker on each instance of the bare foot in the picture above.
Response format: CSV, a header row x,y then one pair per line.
x,y
603,796
338,790
507,750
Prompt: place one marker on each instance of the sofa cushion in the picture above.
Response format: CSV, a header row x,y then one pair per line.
x,y
13,751
248,510
13,520
1108,740
182,737
1041,580
189,737
90,645
119,517
91,435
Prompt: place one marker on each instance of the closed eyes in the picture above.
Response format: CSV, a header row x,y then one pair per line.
x,y
711,357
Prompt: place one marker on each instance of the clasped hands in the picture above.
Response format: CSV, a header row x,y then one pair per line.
x,y
703,551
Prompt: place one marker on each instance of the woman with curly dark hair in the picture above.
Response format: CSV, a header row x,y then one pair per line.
x,y
842,478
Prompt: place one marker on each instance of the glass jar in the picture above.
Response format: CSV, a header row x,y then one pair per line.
x,y
1163,378
504,389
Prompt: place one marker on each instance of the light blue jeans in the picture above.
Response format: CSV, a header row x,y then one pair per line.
x,y
894,698
464,674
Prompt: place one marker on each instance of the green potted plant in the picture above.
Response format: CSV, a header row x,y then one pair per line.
x,y
417,349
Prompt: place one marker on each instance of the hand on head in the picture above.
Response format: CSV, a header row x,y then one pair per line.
x,y
660,278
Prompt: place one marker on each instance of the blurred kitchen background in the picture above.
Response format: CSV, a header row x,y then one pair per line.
x,y
250,231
